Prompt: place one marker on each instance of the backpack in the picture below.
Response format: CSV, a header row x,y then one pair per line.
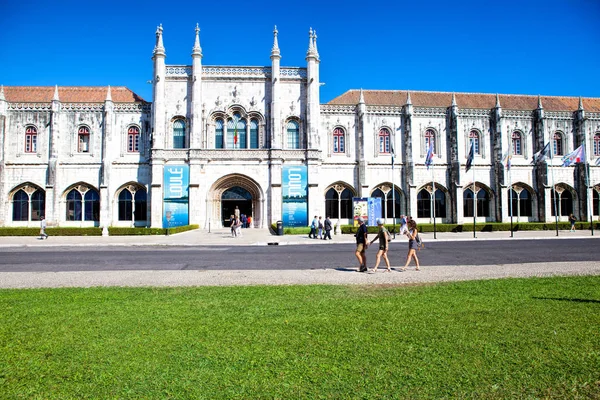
x,y
418,240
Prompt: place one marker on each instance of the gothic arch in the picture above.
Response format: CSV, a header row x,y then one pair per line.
x,y
223,184
385,188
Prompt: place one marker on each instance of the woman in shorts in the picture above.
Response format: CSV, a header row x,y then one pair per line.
x,y
383,236
412,244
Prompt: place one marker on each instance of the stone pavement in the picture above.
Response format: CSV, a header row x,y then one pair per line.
x,y
261,237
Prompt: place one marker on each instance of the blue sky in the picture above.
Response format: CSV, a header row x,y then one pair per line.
x,y
516,47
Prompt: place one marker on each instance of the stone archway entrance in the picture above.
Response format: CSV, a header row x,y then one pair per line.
x,y
231,191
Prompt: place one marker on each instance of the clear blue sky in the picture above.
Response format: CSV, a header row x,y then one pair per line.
x,y
518,47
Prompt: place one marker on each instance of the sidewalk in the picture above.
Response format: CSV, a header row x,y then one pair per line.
x,y
262,237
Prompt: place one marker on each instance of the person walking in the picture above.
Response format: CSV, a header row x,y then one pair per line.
x,y
43,234
384,237
361,245
403,227
412,245
320,227
572,220
313,228
233,227
328,226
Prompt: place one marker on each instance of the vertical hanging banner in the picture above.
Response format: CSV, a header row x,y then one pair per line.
x,y
176,195
361,209
294,185
374,204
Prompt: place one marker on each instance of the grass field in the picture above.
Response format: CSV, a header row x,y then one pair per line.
x,y
524,338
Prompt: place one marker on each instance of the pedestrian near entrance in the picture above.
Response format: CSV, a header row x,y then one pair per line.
x,y
412,245
320,226
572,220
328,226
236,212
249,221
233,227
313,228
361,245
43,234
384,237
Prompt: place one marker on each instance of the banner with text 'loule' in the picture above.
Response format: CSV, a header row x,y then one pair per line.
x,y
294,185
176,195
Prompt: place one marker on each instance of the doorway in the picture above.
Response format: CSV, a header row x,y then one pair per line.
x,y
233,197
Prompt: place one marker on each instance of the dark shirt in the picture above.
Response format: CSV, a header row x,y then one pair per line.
x,y
360,234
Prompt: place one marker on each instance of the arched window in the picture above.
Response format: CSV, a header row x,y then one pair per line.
x,y
516,143
254,133
86,207
219,134
483,203
74,205
521,204
597,144
384,141
236,132
132,206
30,139
133,139
83,139
20,206
179,134
564,203
387,202
338,205
38,205
339,145
474,137
557,144
125,205
293,135
430,139
423,204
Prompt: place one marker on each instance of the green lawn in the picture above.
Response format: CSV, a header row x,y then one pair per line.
x,y
524,338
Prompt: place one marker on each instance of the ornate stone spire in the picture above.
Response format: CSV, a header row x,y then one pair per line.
x,y
197,50
408,100
580,108
275,50
361,98
453,100
108,95
315,43
312,52
159,48
540,107
56,98
2,98
497,101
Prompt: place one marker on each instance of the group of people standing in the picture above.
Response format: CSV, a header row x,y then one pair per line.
x,y
239,221
408,228
320,229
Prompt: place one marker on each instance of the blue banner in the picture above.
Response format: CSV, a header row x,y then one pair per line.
x,y
176,195
294,185
374,204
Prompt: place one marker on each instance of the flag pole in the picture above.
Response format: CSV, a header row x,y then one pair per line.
x,y
433,208
553,189
474,202
587,184
393,187
511,202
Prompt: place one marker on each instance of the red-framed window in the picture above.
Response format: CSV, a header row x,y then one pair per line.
x,y
558,144
516,143
339,145
597,144
30,139
384,141
83,136
133,139
474,137
430,139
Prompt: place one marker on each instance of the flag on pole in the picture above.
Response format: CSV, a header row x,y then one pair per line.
x,y
429,156
577,156
470,157
507,160
393,154
542,154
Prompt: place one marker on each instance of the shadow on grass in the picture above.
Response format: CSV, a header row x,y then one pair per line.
x,y
567,299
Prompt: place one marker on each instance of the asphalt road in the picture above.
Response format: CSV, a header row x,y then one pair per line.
x,y
297,257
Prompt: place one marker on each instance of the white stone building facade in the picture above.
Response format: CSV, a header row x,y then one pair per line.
x,y
96,156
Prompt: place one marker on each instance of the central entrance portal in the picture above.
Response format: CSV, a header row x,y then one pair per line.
x,y
235,197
